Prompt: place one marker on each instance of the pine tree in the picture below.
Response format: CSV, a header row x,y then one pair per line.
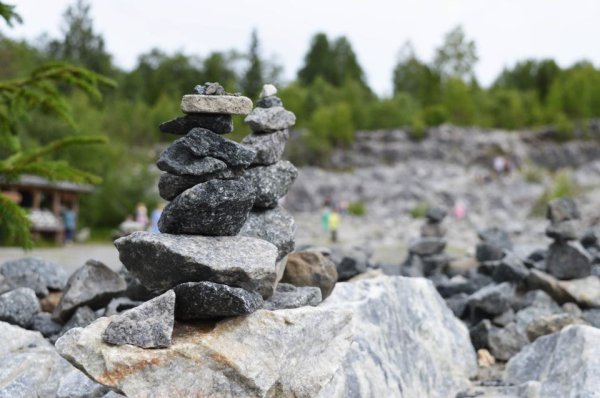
x,y
20,96
254,76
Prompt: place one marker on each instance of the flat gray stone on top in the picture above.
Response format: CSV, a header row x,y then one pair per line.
x,y
220,124
149,325
225,104
212,208
163,261
201,300
268,147
19,306
271,182
267,120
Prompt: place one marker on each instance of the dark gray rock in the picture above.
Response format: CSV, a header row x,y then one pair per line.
x,y
19,306
288,296
149,325
492,299
201,300
178,159
273,225
568,260
271,182
203,143
458,303
485,252
171,185
220,124
433,230
460,284
503,343
93,285
348,262
311,269
53,275
269,102
564,230
510,269
268,147
435,264
427,246
120,304
136,291
497,237
82,317
212,208
591,238
435,214
562,209
31,280
209,89
565,364
505,318
270,119
163,261
43,323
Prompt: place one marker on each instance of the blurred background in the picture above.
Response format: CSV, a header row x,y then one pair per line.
x,y
486,109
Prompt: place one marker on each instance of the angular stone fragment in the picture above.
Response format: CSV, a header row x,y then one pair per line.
x,y
497,237
270,119
149,325
562,209
503,343
225,104
565,364
435,214
427,246
268,147
492,299
19,306
550,324
163,261
179,160
220,124
53,275
82,317
202,300
209,88
348,262
31,280
273,225
77,385
269,102
510,269
171,185
488,252
585,291
311,269
564,230
568,260
202,142
212,208
541,280
271,182
93,285
43,323
121,304
288,296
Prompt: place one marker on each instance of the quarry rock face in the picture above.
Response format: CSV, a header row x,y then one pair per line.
x,y
362,341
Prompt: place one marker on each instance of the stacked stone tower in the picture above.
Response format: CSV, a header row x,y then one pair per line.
x,y
224,239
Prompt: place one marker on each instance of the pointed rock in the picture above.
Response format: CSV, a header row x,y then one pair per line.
x,y
163,261
149,325
220,124
212,208
202,300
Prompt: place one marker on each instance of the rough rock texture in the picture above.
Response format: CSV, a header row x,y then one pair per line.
x,y
270,119
497,237
585,292
225,104
19,306
503,343
271,182
53,275
293,353
93,285
273,225
171,185
163,261
31,367
220,124
269,102
349,262
203,300
311,269
43,323
296,352
288,296
179,160
31,280
564,230
268,147
566,364
427,246
149,325
202,143
549,284
212,208
82,317
550,324
568,260
562,209
492,299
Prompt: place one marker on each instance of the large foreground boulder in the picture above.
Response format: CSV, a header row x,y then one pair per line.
x,y
565,364
31,367
382,337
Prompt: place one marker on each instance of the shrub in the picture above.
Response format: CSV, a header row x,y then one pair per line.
x,y
419,211
357,208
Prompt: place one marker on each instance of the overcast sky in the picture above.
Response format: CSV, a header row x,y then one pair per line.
x,y
504,30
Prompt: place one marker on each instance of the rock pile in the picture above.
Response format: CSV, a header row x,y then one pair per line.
x,y
426,255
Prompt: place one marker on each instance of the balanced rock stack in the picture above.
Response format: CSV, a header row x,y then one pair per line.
x,y
223,240
426,254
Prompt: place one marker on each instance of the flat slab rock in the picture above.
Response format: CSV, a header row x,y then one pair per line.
x,y
563,364
288,296
220,124
332,350
171,185
273,225
225,104
270,119
163,261
31,367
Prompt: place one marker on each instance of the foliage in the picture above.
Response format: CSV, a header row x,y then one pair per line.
x,y
419,210
357,209
456,58
562,185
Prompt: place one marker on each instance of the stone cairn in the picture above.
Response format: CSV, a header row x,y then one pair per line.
x,y
224,239
426,254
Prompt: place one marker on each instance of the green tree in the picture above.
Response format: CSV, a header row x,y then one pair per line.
x,y
345,64
416,78
318,61
457,56
253,78
530,75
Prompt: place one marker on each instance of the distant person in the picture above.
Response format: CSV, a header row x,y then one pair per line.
x,y
141,215
499,164
69,222
325,219
154,217
459,210
334,224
